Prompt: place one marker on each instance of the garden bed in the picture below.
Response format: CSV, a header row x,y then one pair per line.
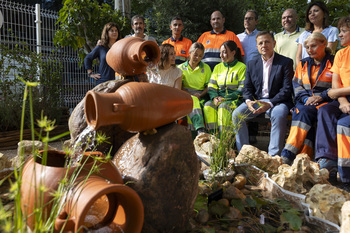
x,y
9,139
265,207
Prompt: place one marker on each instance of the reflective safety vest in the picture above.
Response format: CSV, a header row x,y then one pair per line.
x,y
227,80
197,79
212,43
181,46
302,82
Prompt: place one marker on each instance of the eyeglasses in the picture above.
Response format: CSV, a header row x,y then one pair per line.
x,y
248,18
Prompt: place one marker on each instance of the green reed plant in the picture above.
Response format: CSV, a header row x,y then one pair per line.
x,y
223,149
14,220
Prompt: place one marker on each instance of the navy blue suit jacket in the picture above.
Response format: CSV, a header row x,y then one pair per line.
x,y
280,81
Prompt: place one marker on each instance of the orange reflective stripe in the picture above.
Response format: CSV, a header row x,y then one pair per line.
x,y
296,136
314,72
343,143
307,150
318,106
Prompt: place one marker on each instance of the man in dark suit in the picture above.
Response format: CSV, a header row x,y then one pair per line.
x,y
267,89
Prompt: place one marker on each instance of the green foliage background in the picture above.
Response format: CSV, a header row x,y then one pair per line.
x,y
82,20
196,14
81,23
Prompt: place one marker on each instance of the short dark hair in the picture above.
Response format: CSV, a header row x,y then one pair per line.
x,y
175,18
254,12
310,26
137,17
270,33
222,15
344,21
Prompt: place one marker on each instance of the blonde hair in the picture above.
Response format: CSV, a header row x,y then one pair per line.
x,y
196,45
318,36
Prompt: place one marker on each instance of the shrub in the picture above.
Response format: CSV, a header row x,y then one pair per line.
x,y
19,60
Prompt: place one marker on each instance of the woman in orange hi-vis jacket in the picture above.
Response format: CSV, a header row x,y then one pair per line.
x,y
312,79
333,132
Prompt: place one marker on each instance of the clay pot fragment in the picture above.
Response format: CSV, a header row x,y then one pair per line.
x,y
122,205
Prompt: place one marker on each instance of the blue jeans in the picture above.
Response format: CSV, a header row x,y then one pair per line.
x,y
278,116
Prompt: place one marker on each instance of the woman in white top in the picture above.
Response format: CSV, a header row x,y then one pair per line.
x,y
170,75
316,20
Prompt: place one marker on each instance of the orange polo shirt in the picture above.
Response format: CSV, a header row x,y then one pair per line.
x,y
182,47
212,43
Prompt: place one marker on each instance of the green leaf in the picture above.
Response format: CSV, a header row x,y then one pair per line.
x,y
268,228
294,220
238,203
250,202
218,209
208,230
201,203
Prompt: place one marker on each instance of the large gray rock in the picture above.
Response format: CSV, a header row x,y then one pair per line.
x,y
163,169
77,122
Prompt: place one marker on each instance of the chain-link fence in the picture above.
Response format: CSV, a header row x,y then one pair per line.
x,y
35,28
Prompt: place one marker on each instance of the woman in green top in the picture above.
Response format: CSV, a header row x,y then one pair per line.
x,y
225,88
195,78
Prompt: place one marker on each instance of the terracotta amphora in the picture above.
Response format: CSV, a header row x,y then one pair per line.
x,y
132,55
101,200
137,106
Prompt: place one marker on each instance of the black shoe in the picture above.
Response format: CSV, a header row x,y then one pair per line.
x,y
333,179
285,160
345,187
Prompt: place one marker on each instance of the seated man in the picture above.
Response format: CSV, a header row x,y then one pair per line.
x,y
267,89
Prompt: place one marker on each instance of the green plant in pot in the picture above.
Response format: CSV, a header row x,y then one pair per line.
x,y
221,168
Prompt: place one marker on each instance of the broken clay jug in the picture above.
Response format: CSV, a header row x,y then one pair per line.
x,y
137,106
92,201
132,55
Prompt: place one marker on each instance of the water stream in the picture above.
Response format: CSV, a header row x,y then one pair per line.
x,y
153,74
84,142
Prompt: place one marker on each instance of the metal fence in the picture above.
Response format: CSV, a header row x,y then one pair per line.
x,y
36,28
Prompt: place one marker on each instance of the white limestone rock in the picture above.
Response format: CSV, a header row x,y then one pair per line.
x,y
326,202
345,217
301,176
253,156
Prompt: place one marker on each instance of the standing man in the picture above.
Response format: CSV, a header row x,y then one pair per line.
x,y
212,40
267,89
181,44
138,25
248,41
248,37
286,44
